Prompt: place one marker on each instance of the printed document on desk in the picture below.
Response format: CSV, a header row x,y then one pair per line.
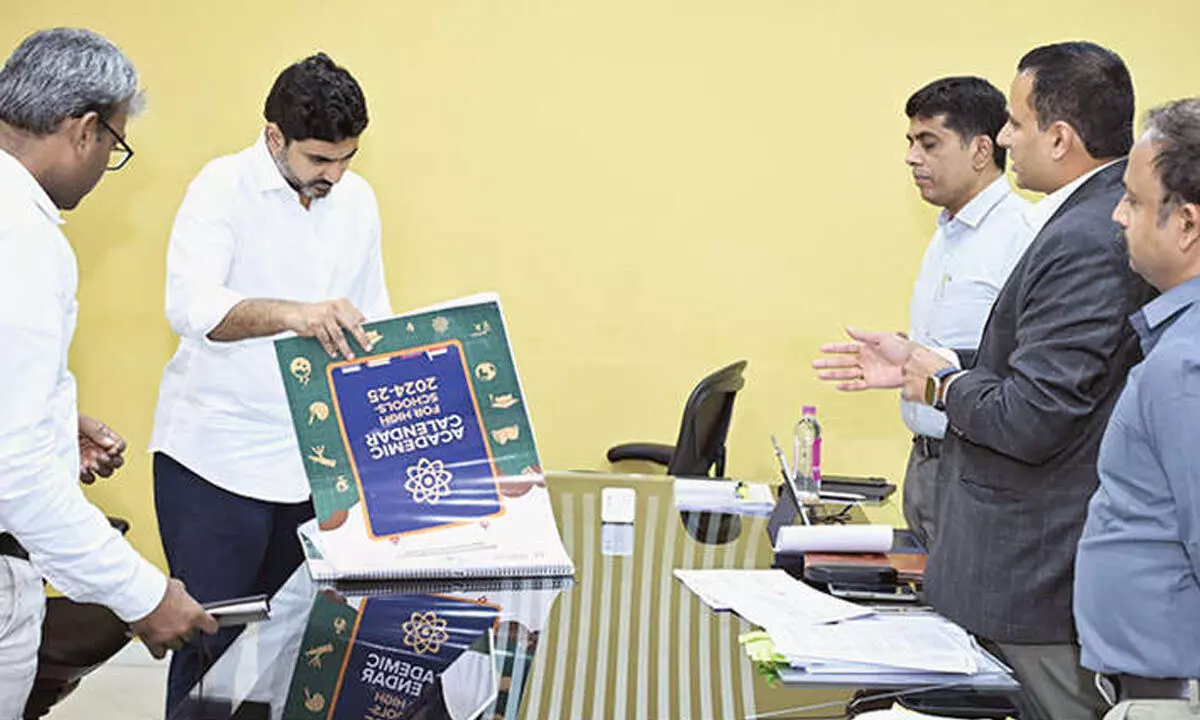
x,y
768,598
913,642
989,673
992,675
827,641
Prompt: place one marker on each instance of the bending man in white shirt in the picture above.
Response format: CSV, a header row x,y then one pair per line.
x,y
958,166
65,96
278,237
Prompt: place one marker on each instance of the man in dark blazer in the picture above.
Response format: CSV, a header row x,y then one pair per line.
x,y
1027,412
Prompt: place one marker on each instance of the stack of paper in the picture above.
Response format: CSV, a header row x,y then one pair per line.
x,y
823,636
915,642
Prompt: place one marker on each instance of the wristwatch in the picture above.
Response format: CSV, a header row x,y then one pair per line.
x,y
935,387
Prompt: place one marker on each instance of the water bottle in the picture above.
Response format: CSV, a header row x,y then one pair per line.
x,y
808,470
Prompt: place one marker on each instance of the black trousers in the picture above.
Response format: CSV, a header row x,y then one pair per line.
x,y
221,545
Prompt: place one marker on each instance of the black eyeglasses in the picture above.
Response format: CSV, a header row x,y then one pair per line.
x,y
121,152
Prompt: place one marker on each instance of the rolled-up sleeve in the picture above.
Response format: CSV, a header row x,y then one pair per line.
x,y
69,540
199,258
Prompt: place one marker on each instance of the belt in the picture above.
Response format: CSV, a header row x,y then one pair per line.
x,y
929,446
1133,687
10,547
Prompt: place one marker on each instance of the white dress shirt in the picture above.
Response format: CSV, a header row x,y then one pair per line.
x,y
966,263
69,541
241,233
1038,214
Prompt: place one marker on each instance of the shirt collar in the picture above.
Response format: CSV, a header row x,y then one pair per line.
x,y
267,176
1153,319
979,206
1038,214
14,169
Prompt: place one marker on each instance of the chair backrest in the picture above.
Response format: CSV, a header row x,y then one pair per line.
x,y
706,417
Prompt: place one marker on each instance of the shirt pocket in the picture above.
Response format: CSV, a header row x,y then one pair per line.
x,y
961,309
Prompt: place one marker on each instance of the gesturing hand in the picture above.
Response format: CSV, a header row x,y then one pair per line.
x,y
872,360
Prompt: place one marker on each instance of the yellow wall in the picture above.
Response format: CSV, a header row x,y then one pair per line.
x,y
655,187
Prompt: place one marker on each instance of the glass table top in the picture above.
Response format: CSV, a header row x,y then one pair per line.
x,y
622,639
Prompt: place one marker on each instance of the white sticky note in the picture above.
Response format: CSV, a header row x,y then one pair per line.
x,y
616,539
618,505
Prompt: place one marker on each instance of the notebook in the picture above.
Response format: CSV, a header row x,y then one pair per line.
x,y
420,454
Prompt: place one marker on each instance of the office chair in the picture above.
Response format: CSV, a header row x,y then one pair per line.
x,y
711,528
77,638
701,443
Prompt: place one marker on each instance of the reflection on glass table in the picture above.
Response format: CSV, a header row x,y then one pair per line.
x,y
624,639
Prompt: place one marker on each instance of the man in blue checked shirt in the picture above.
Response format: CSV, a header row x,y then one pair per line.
x,y
1137,572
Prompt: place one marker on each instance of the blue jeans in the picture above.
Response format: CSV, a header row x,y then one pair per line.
x,y
221,545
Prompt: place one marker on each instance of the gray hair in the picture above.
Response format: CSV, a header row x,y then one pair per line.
x,y
64,73
1174,129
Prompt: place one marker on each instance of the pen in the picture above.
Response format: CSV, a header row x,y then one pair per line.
x,y
901,609
795,453
783,463
790,479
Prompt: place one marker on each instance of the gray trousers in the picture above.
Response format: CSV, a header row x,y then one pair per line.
x,y
1053,684
921,492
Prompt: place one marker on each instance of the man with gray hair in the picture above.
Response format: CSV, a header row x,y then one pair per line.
x,y
1137,571
65,96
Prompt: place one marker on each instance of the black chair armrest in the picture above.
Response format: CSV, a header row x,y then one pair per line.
x,y
654,452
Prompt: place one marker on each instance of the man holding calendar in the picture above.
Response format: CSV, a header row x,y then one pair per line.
x,y
279,237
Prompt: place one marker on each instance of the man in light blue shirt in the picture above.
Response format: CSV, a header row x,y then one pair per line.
x,y
1137,572
981,233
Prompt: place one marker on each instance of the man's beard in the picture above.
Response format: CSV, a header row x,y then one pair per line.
x,y
312,190
315,189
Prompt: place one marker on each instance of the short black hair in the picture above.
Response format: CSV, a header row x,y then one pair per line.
x,y
1089,88
972,106
1174,129
317,99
